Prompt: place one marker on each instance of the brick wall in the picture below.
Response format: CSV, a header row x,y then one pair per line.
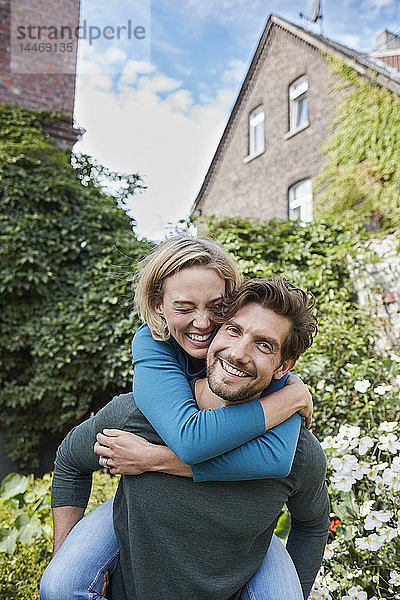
x,y
50,91
259,189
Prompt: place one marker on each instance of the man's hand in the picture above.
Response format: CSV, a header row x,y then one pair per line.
x,y
130,454
304,395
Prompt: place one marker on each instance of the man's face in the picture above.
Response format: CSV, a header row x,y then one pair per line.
x,y
245,355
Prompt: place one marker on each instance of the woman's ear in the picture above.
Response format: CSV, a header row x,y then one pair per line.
x,y
159,309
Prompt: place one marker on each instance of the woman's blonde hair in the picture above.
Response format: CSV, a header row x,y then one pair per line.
x,y
176,253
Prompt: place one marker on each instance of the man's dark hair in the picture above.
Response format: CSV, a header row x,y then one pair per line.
x,y
284,299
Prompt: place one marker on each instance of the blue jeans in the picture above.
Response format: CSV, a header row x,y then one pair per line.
x,y
77,570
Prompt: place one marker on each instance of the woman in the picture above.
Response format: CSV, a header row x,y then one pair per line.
x,y
179,289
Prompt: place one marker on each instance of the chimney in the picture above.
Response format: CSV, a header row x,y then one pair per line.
x,y
52,86
388,49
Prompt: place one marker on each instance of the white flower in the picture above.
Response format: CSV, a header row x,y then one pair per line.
x,y
340,443
379,485
394,578
370,542
355,594
362,386
345,464
371,471
397,380
389,442
395,358
349,431
366,507
321,384
365,444
328,442
329,550
388,426
396,464
343,482
381,390
391,479
325,580
314,595
376,518
388,533
324,594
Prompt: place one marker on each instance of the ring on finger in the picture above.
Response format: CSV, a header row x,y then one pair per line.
x,y
105,461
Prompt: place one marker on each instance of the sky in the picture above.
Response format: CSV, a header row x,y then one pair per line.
x,y
156,103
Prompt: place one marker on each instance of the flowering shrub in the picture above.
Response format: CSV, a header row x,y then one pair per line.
x,y
362,557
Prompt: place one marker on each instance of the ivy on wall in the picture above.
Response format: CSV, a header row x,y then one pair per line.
x,y
361,175
66,251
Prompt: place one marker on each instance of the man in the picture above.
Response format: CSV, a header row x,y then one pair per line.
x,y
179,538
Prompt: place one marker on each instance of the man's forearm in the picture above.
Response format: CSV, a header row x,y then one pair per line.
x,y
64,519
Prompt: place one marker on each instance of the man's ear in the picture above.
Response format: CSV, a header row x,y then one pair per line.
x,y
284,368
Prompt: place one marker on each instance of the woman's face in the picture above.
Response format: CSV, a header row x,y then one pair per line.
x,y
189,299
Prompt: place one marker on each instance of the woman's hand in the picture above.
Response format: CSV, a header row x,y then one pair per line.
x,y
129,454
126,453
304,395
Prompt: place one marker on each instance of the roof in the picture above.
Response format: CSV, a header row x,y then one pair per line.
x,y
361,61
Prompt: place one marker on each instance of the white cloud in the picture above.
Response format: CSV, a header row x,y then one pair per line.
x,y
132,69
180,100
113,55
372,8
351,40
160,83
170,141
235,72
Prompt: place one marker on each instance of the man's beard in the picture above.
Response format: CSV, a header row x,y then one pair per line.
x,y
233,393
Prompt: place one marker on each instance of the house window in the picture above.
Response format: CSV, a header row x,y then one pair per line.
x,y
300,201
298,109
256,131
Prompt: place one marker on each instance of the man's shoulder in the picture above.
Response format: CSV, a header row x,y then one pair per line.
x,y
309,456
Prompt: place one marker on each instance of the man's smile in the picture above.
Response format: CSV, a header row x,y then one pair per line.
x,y
231,370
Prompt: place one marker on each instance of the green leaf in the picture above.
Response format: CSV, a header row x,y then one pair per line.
x,y
8,539
29,528
13,484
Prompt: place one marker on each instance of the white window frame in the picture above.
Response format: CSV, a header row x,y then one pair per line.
x,y
256,122
301,202
297,92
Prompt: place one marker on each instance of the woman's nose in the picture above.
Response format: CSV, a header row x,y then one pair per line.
x,y
202,320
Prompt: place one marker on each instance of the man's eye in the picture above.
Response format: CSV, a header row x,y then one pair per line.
x,y
265,347
184,310
233,330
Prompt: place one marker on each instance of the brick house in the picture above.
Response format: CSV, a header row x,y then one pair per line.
x,y
31,78
270,149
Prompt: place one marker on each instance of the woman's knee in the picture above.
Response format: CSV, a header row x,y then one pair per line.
x,y
50,584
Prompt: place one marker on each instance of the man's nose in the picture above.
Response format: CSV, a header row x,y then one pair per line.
x,y
240,350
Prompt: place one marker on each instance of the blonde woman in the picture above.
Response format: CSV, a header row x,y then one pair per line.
x,y
180,287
